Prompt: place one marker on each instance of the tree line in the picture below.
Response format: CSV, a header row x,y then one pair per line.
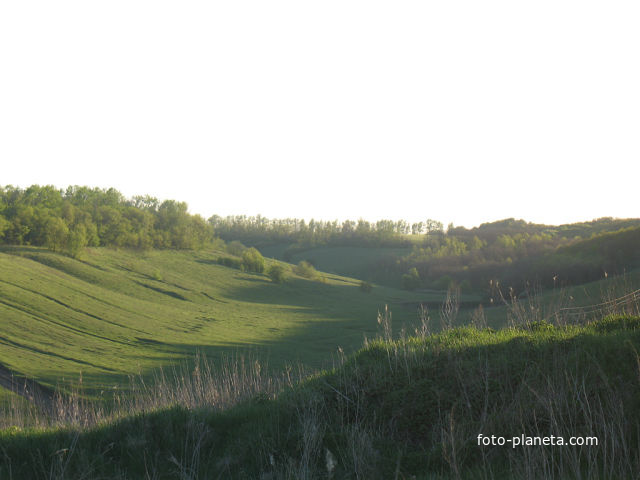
x,y
517,253
70,220
511,251
260,231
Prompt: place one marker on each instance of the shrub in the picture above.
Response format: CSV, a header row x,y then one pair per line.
x,y
411,280
541,326
236,248
252,261
305,269
277,273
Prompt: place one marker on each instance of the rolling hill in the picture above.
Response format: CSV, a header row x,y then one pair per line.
x,y
117,312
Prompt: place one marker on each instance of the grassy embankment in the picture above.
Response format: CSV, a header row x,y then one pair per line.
x,y
395,409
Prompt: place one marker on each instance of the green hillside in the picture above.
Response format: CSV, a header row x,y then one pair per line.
x,y
116,312
358,262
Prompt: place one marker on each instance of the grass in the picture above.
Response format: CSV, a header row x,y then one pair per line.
x,y
407,408
156,337
545,303
358,262
120,312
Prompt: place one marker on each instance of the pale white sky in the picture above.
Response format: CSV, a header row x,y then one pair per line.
x,y
462,111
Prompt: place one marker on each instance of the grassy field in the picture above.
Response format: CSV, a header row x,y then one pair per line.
x,y
129,326
117,312
411,408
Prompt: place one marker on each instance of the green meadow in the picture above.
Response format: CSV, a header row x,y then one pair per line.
x,y
358,262
112,313
117,312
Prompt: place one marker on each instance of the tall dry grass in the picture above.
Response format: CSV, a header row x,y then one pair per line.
x,y
200,383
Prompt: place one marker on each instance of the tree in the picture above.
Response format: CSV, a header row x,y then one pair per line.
x,y
174,219
236,248
252,260
417,228
4,225
434,226
76,241
56,232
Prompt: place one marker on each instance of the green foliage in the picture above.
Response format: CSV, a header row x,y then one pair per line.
x,y
260,231
77,240
411,280
252,261
56,233
509,251
78,217
541,326
236,248
4,226
277,273
305,269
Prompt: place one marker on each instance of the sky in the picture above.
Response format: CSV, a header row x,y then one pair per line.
x,y
461,111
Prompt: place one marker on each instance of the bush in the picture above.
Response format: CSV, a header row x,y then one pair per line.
x,y
541,326
252,261
236,248
305,269
411,280
365,287
277,273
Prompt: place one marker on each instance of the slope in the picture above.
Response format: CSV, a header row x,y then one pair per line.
x,y
119,312
416,408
